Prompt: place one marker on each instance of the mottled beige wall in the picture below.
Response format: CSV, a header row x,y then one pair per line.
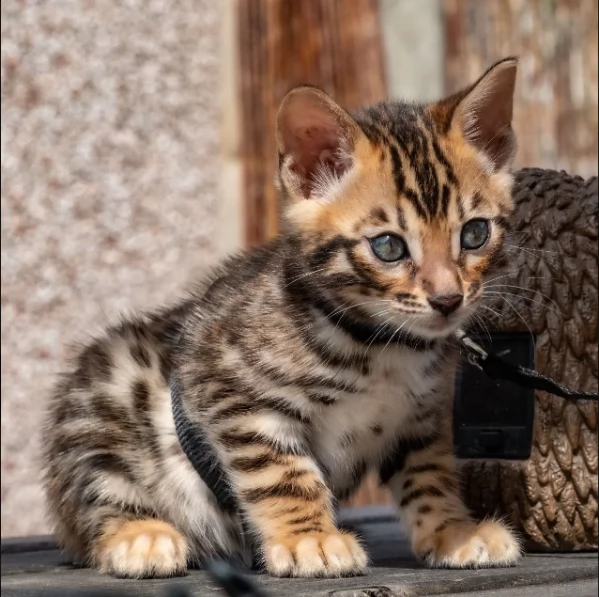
x,y
111,188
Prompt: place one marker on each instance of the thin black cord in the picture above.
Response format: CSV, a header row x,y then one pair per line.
x,y
497,368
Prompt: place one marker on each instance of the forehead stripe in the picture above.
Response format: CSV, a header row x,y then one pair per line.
x,y
477,201
411,136
426,202
401,218
398,175
445,196
442,159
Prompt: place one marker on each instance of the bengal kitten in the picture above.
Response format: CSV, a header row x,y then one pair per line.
x,y
308,362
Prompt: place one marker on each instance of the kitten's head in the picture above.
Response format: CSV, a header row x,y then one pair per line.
x,y
401,209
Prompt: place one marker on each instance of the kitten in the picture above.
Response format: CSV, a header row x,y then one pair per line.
x,y
327,353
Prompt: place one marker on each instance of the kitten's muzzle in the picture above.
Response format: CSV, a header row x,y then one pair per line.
x,y
446,304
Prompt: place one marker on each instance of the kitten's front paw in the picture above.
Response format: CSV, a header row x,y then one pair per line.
x,y
469,545
315,554
142,548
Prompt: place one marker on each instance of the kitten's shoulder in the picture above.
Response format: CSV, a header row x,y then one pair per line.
x,y
236,272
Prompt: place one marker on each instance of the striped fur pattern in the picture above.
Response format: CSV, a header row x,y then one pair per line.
x,y
307,362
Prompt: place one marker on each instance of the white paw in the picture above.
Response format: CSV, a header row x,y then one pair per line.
x,y
469,545
145,548
316,555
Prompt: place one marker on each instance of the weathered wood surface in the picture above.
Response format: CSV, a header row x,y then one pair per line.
x,y
283,44
31,568
555,114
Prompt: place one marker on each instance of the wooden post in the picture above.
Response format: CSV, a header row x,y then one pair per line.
x,y
335,44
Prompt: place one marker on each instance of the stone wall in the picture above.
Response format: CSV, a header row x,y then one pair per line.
x,y
111,162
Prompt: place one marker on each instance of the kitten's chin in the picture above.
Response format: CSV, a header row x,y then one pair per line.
x,y
438,328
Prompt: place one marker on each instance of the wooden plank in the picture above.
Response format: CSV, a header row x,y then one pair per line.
x,y
393,573
583,588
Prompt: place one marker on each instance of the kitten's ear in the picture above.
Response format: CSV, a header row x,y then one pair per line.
x,y
484,113
315,138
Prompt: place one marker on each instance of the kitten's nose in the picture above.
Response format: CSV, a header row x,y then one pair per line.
x,y
446,303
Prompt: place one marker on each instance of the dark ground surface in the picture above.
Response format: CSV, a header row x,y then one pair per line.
x,y
33,567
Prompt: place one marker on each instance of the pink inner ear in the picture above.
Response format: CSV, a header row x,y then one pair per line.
x,y
311,130
311,146
313,135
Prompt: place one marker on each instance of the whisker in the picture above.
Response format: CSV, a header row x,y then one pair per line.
x,y
343,312
520,316
508,276
497,278
498,315
410,329
528,290
304,275
549,264
391,338
376,334
342,309
478,318
381,313
531,249
525,298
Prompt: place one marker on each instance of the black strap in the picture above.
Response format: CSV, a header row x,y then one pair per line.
x,y
497,368
232,581
200,452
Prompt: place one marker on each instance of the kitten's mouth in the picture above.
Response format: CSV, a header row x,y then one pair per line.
x,y
440,326
428,326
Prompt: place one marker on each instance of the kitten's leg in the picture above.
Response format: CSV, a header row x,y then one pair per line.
x,y
442,532
287,502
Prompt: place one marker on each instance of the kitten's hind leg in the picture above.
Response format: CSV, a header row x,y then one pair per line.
x,y
140,548
104,461
103,520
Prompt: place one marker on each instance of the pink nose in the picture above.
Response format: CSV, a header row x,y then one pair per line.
x,y
446,303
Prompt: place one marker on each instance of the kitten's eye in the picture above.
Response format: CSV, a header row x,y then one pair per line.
x,y
474,234
389,247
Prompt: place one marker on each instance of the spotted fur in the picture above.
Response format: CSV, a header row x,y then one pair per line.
x,y
307,362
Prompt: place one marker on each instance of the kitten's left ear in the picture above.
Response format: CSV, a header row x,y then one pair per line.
x,y
315,138
484,113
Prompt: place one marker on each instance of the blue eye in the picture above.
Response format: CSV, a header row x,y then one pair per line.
x,y
474,234
389,247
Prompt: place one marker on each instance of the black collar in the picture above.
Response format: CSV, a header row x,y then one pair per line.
x,y
368,333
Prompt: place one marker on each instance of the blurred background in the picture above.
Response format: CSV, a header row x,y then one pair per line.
x,y
138,148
